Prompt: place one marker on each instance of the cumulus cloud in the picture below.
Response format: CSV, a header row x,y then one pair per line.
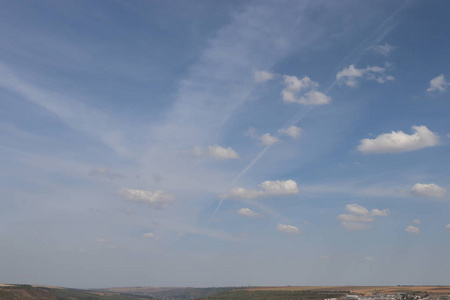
x,y
351,75
268,188
358,217
428,190
383,49
303,91
289,229
105,172
447,226
157,199
266,139
217,152
438,84
247,212
412,229
220,153
263,76
398,141
293,131
417,221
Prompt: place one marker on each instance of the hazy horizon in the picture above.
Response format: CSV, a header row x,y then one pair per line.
x,y
224,143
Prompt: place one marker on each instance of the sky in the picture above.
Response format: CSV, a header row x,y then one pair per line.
x,y
224,143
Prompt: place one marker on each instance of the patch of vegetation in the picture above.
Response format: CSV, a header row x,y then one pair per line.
x,y
25,292
273,295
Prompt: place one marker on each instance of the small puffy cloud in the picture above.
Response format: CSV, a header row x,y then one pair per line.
x,y
157,199
383,49
247,212
398,141
417,221
268,188
289,229
438,84
279,187
358,217
293,131
351,75
303,91
220,153
105,172
263,76
268,140
148,235
412,229
428,190
368,258
447,226
217,152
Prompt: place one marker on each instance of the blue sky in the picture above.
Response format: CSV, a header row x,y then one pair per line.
x,y
217,143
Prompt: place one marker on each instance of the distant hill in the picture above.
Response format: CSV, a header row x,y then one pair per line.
x,y
25,292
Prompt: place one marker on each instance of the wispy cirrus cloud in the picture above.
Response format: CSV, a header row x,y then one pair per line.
x,y
263,76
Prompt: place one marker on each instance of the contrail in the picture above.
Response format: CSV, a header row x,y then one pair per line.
x,y
362,48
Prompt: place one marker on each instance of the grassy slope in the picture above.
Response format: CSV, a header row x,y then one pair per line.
x,y
25,292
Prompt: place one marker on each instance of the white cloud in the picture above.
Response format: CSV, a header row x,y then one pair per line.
x,y
447,226
293,131
247,212
220,153
303,91
268,140
428,190
263,76
289,229
438,83
358,216
105,172
217,152
158,199
268,188
417,221
398,141
412,229
148,235
384,49
351,75
280,188
380,212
